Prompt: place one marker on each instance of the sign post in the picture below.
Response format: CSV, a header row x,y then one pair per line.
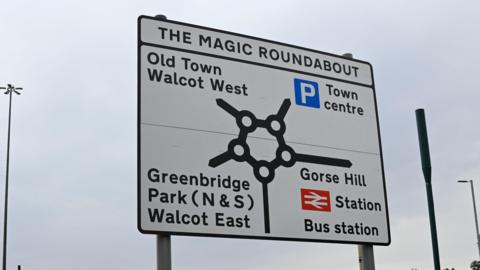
x,y
163,241
366,257
164,252
244,137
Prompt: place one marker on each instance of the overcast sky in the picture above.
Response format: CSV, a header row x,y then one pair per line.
x,y
73,151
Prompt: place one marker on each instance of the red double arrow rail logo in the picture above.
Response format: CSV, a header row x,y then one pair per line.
x,y
315,200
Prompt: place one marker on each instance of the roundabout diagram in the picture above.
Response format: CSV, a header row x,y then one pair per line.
x,y
264,170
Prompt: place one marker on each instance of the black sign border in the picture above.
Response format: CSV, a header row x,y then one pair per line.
x,y
372,86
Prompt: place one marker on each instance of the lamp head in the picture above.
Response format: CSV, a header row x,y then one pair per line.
x,y
11,89
462,181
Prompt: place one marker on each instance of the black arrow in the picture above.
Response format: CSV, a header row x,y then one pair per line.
x,y
323,160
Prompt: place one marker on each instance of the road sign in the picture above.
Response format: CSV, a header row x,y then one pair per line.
x,y
244,137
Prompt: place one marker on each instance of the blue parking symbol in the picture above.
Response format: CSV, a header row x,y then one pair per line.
x,y
306,93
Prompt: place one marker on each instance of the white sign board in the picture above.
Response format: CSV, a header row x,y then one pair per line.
x,y
244,137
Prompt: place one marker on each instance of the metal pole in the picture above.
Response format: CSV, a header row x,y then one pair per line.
x,y
164,245
427,173
4,262
164,252
476,219
366,258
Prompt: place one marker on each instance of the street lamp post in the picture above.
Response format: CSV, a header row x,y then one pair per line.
x,y
474,211
10,89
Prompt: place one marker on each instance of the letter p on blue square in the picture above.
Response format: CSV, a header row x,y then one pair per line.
x,y
306,93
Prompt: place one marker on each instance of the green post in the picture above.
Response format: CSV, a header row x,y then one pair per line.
x,y
427,173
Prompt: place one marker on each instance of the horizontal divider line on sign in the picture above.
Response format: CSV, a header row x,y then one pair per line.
x,y
260,138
